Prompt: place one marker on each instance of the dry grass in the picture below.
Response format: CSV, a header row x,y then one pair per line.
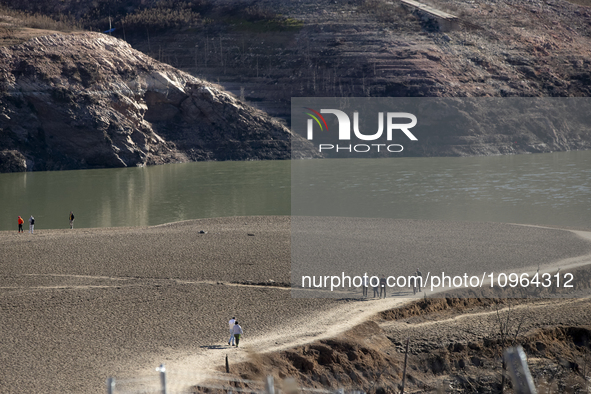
x,y
17,19
162,18
135,15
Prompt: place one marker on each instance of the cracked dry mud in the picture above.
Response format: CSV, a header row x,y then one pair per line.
x,y
81,305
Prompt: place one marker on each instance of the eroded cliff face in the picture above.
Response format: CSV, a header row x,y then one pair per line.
x,y
71,101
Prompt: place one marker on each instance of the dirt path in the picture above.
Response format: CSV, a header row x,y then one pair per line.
x,y
319,325
328,324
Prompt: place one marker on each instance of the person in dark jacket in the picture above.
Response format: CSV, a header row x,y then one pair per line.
x,y
71,217
383,285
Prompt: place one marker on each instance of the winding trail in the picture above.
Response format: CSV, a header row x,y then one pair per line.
x,y
318,326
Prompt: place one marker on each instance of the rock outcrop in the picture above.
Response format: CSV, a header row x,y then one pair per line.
x,y
71,101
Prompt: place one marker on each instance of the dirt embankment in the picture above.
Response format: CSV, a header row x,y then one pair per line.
x,y
454,345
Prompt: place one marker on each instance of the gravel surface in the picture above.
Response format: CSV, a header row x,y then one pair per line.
x,y
329,246
226,252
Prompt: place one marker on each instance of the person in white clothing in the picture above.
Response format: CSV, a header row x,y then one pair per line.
x,y
31,224
231,326
237,332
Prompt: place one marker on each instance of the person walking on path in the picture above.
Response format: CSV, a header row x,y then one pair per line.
x,y
418,281
376,290
383,286
20,225
365,285
31,224
71,220
237,332
231,324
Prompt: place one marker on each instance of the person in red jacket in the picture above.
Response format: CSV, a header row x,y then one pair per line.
x,y
20,225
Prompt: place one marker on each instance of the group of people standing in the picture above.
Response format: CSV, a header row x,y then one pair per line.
x,y
20,222
235,332
31,224
380,290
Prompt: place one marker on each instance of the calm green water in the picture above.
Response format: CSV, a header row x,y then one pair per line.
x,y
544,189
552,189
145,196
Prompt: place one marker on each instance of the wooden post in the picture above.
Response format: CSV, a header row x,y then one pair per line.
x,y
110,385
519,371
227,365
162,371
270,385
404,373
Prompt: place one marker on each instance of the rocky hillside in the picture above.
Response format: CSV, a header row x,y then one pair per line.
x,y
377,48
265,52
71,101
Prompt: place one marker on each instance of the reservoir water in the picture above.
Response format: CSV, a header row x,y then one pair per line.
x,y
544,189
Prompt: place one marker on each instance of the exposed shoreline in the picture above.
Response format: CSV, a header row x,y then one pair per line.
x,y
79,306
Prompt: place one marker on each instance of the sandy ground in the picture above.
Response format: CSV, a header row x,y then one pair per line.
x,y
79,306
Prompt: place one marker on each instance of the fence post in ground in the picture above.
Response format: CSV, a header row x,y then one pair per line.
x,y
110,385
518,371
270,385
162,371
405,360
